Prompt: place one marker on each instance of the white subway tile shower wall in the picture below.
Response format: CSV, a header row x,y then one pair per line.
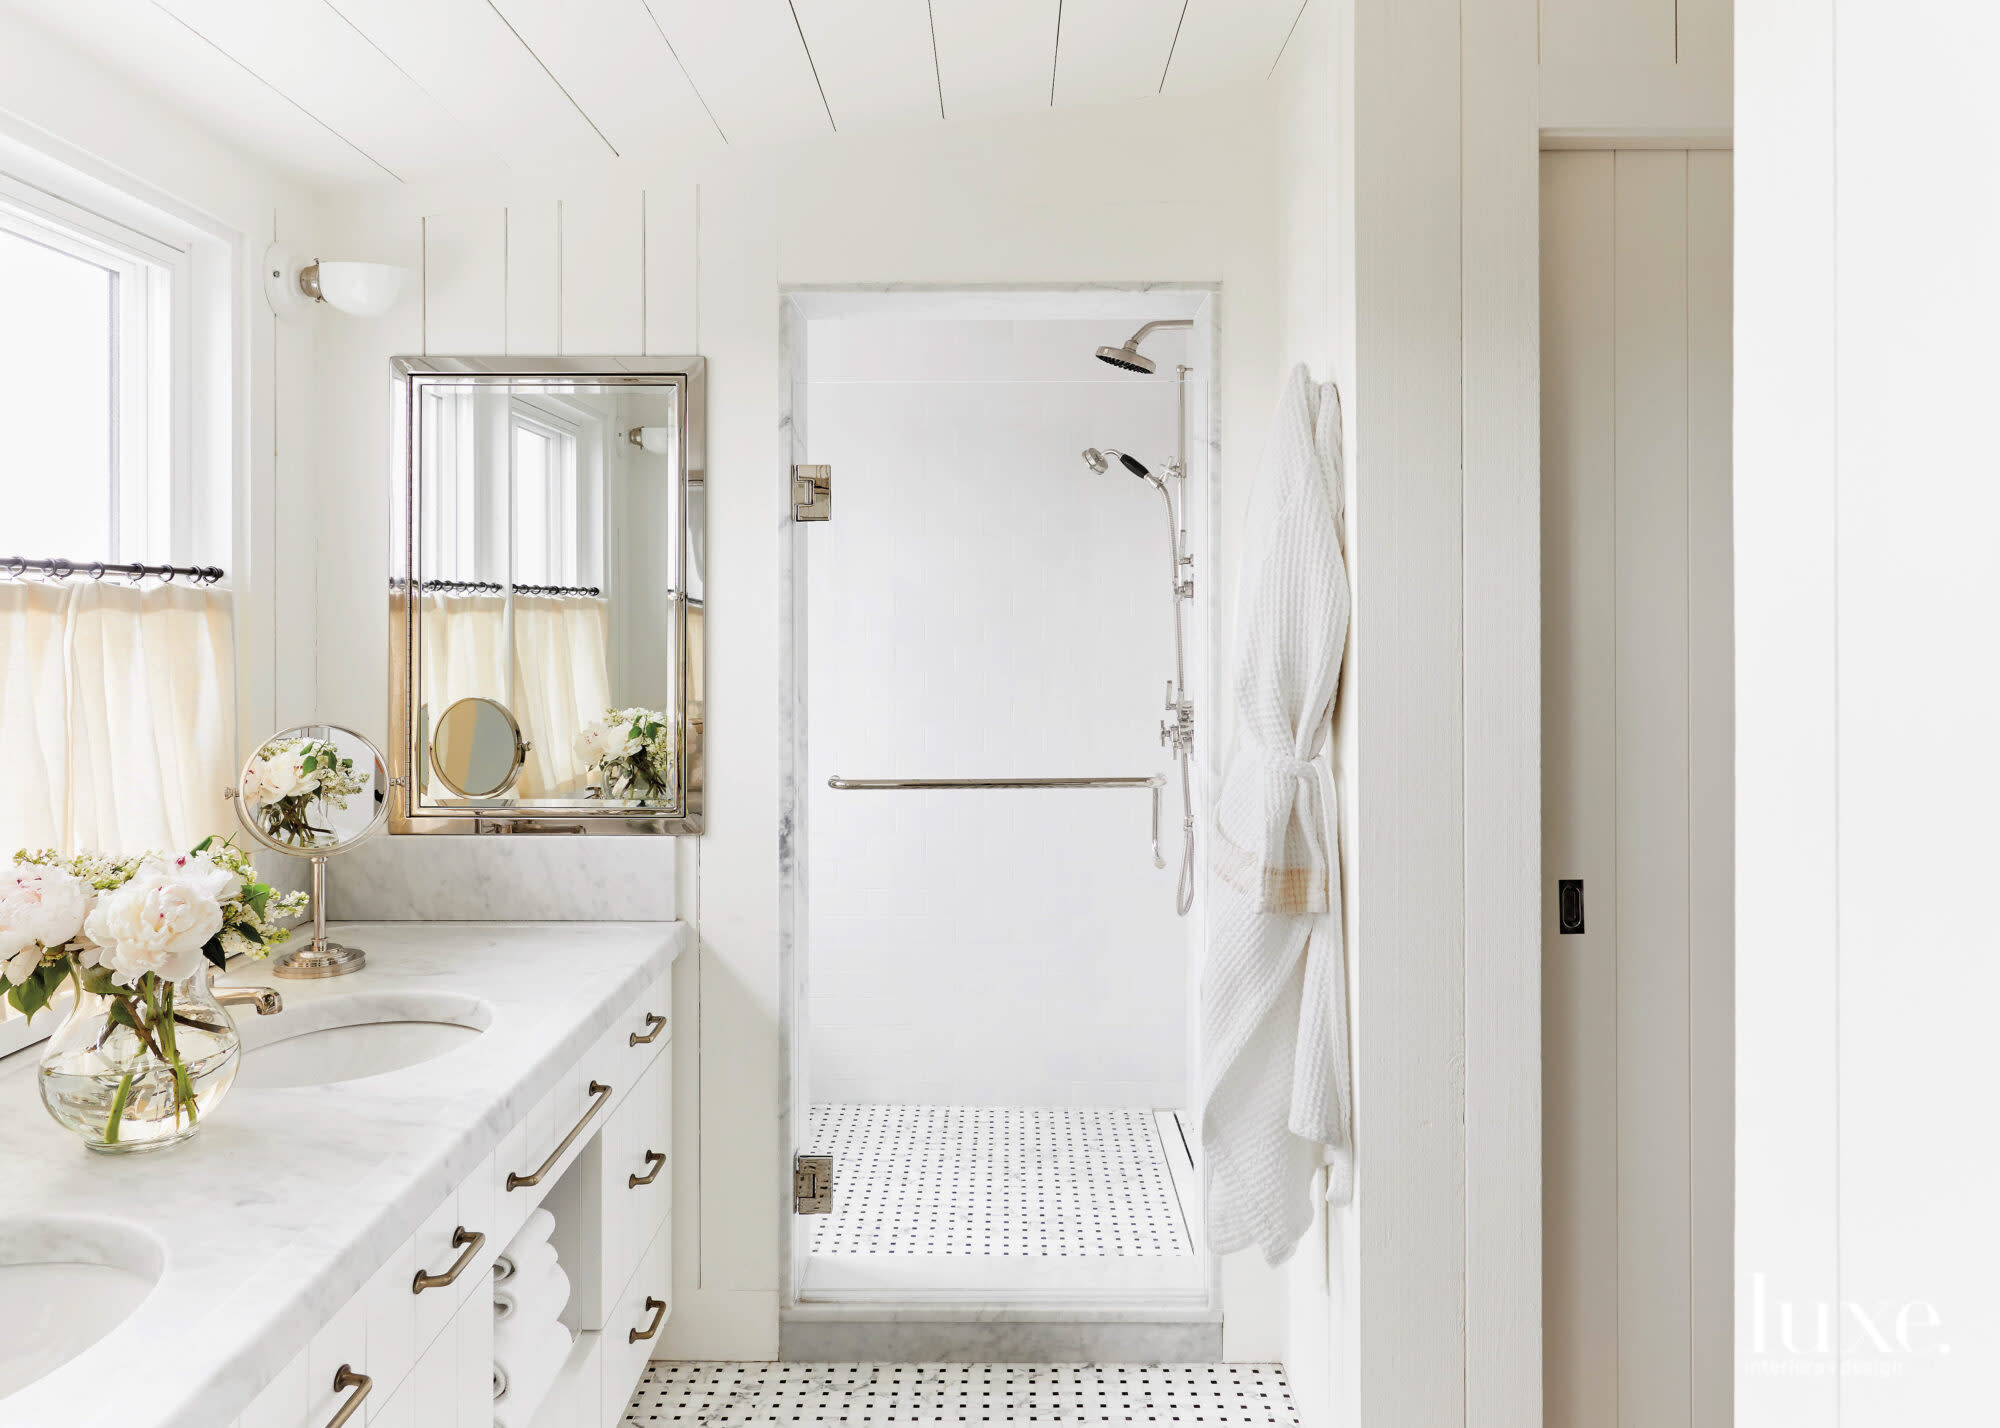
x,y
984,605
518,879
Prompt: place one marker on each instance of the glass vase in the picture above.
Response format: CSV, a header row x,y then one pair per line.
x,y
139,1070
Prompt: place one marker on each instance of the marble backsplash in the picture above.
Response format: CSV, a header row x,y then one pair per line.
x,y
504,879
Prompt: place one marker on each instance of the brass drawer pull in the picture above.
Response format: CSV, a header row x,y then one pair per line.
x,y
603,1093
655,1021
461,1238
658,1161
659,1308
343,1380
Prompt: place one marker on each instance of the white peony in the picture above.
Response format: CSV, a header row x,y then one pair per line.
x,y
281,776
40,907
159,921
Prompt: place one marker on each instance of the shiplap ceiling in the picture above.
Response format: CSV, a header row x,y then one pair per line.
x,y
343,92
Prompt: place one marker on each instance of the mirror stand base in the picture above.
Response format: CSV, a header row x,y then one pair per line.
x,y
323,959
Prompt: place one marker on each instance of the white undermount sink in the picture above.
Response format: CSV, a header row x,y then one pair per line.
x,y
345,1038
65,1284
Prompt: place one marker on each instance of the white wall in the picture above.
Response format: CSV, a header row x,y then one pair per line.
x,y
1407,187
1866,764
982,605
692,259
60,107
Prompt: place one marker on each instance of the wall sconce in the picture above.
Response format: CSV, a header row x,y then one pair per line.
x,y
294,285
657,439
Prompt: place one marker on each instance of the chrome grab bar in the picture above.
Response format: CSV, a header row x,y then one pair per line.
x,y
1155,782
517,1181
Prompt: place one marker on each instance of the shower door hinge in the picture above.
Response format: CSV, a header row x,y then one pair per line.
x,y
812,493
812,1184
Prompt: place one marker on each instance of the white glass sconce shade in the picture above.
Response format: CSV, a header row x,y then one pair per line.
x,y
659,440
295,285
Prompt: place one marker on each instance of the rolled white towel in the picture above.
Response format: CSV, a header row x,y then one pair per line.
x,y
499,1379
535,1230
525,1266
531,1301
530,1374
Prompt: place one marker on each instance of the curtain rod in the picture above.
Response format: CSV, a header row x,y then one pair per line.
x,y
488,587
17,566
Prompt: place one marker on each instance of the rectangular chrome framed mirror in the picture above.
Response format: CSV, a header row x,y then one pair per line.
x,y
546,595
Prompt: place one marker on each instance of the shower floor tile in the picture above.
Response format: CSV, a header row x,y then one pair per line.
x,y
731,1394
998,1181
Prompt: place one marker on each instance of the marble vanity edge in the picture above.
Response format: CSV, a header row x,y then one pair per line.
x,y
269,1319
356,1260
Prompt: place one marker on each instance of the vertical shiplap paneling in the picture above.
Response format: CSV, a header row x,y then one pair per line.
x,y
673,302
465,281
1650,591
1408,525
1607,32
1711,790
1502,849
531,255
1579,795
603,280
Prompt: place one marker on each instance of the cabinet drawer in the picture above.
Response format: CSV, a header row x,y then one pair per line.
x,y
550,1137
639,1034
621,1216
642,1308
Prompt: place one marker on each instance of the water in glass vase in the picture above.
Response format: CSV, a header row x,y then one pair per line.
x,y
132,1071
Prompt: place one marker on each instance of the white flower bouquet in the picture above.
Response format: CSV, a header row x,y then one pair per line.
x,y
130,934
287,776
630,754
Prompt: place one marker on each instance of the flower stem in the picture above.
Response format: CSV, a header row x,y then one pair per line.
x,y
111,1122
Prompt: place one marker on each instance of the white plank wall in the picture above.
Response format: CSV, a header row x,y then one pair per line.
x,y
1638,789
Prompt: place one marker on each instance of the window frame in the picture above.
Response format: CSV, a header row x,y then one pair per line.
x,y
157,510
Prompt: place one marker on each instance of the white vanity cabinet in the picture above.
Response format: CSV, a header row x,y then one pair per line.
x,y
597,1151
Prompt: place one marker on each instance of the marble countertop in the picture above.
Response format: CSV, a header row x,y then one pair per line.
x,y
273,1216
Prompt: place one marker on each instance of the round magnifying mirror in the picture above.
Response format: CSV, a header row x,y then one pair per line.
x,y
312,791
477,749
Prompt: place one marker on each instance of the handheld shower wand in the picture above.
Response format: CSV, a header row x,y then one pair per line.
x,y
1176,733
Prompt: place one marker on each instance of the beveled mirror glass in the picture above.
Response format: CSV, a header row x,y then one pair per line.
x,y
547,597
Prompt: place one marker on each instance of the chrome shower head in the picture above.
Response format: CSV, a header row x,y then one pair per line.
x,y
1097,461
1127,358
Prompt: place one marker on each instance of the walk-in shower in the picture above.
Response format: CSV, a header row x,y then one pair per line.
x,y
1177,730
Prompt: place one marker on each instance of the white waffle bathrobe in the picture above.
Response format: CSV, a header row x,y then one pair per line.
x,y
1276,1089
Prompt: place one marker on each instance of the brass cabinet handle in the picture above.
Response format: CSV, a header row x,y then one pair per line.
x,y
655,1021
344,1379
463,1238
603,1093
659,1308
658,1161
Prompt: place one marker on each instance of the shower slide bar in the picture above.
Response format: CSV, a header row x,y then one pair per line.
x,y
1155,782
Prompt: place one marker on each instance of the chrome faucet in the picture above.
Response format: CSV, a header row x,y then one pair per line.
x,y
265,1000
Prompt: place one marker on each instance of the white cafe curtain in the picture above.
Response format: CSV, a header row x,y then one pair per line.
x,y
117,716
562,682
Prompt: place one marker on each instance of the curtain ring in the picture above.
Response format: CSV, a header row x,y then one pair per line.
x,y
60,569
17,567
97,570
166,574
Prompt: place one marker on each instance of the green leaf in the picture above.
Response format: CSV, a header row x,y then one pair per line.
x,y
311,763
251,934
212,949
97,981
30,997
121,1012
203,845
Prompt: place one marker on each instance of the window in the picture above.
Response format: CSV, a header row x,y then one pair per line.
x,y
546,548
86,469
